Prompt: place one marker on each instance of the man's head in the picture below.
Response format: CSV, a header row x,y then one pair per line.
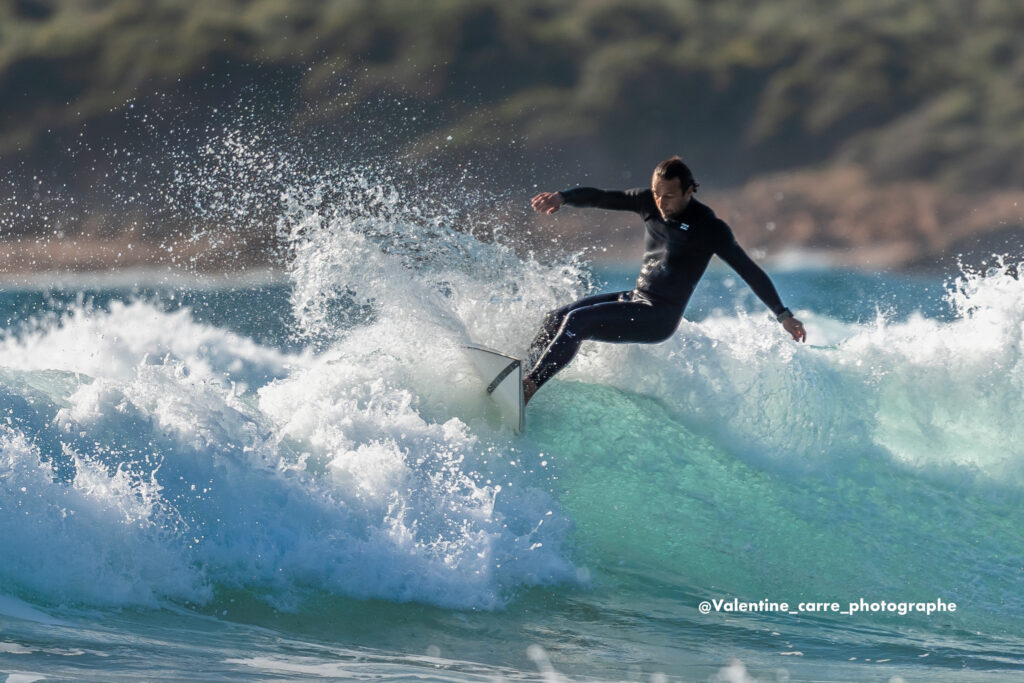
x,y
673,185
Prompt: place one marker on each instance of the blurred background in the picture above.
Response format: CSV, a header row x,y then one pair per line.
x,y
880,134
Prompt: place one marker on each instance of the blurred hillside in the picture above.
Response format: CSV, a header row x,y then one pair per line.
x,y
926,94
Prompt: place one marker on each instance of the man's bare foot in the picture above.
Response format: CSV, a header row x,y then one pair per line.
x,y
529,389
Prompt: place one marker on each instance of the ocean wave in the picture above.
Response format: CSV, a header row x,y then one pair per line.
x,y
148,457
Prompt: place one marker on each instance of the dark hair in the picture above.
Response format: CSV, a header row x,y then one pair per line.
x,y
675,168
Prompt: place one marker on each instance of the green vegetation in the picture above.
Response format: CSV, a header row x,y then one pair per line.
x,y
921,97
909,88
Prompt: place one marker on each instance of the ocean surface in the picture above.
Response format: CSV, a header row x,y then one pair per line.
x,y
296,477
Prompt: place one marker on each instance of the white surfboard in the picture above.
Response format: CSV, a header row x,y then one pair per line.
x,y
502,375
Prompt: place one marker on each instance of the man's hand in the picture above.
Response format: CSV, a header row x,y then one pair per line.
x,y
547,202
795,328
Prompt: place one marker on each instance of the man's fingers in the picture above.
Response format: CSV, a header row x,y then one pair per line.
x,y
546,202
795,329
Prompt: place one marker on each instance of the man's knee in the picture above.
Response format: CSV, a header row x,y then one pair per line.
x,y
665,336
665,332
553,320
576,325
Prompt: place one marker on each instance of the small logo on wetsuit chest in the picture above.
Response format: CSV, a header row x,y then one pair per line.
x,y
680,225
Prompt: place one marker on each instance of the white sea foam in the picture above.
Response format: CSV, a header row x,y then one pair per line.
x,y
937,395
152,457
155,476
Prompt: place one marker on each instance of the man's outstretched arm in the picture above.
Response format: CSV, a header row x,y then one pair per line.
x,y
758,280
616,200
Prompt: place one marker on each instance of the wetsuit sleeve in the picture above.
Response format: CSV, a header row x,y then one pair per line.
x,y
729,250
616,200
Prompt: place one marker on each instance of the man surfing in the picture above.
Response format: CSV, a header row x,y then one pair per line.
x,y
682,236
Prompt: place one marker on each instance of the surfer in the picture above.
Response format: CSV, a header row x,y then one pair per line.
x,y
682,235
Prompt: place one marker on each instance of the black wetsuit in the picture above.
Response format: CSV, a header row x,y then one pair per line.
x,y
677,252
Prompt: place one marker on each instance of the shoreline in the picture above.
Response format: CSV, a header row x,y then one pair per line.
x,y
255,275
59,267
141,276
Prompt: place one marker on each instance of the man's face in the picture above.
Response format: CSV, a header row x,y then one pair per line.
x,y
669,196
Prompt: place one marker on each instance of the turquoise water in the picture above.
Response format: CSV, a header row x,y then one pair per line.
x,y
296,478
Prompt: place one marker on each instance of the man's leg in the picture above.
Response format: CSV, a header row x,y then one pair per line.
x,y
621,320
554,319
